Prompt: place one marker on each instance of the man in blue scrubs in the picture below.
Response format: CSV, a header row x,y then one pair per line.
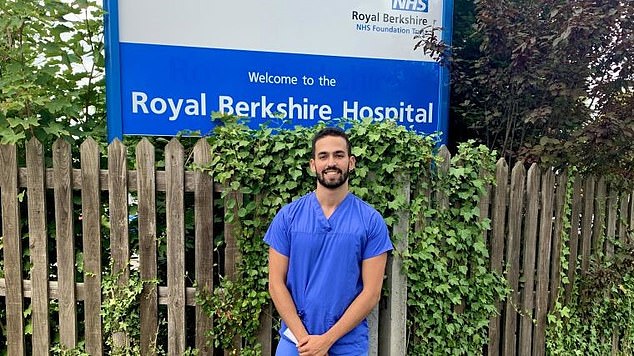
x,y
327,258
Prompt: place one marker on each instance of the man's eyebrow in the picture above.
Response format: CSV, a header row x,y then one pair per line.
x,y
325,152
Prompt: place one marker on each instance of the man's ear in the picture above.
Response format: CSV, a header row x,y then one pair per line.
x,y
311,163
353,163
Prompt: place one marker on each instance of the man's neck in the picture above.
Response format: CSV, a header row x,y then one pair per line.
x,y
329,199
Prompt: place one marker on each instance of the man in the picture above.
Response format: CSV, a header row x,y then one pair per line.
x,y
327,258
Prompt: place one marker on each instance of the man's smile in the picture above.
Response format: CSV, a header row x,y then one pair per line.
x,y
332,171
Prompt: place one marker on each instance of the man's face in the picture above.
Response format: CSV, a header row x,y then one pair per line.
x,y
331,163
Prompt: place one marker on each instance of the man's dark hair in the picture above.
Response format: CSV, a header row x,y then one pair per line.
x,y
332,131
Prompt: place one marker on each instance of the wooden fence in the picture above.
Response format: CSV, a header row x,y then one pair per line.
x,y
526,209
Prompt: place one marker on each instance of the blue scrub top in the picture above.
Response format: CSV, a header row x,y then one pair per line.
x,y
324,261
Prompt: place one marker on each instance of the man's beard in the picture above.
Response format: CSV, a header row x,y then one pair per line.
x,y
333,184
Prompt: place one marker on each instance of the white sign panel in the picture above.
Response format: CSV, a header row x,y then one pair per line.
x,y
173,63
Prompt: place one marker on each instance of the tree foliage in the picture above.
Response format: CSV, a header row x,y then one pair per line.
x,y
51,70
548,81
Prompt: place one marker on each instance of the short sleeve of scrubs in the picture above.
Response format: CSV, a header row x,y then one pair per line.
x,y
277,236
378,239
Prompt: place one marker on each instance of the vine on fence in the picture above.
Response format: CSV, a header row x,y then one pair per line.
x,y
120,315
447,265
451,290
269,169
601,304
601,309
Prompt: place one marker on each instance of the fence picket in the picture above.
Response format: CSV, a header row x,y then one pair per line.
x,y
204,242
174,203
600,206
65,243
118,204
442,202
543,261
12,250
146,190
575,211
498,220
612,210
484,205
38,241
516,206
528,265
373,330
393,325
265,331
631,224
623,215
631,221
233,201
91,230
557,239
587,221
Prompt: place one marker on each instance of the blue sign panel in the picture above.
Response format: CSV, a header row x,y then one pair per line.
x,y
167,73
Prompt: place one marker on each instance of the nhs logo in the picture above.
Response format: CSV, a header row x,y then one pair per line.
x,y
411,5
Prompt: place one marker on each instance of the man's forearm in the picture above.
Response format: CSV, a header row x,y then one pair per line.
x,y
287,310
361,306
372,274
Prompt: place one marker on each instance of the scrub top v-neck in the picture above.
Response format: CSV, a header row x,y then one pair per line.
x,y
324,261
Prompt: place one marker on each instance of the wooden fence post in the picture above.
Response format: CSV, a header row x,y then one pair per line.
x,y
204,243
118,203
528,265
146,190
623,215
232,253
174,203
38,241
631,223
91,231
610,232
610,236
12,249
498,220
543,261
65,243
393,319
516,206
373,329
557,240
265,332
600,205
587,221
575,211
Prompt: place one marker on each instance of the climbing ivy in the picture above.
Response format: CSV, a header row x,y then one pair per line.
x,y
601,301
601,309
119,310
451,290
269,168
120,315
